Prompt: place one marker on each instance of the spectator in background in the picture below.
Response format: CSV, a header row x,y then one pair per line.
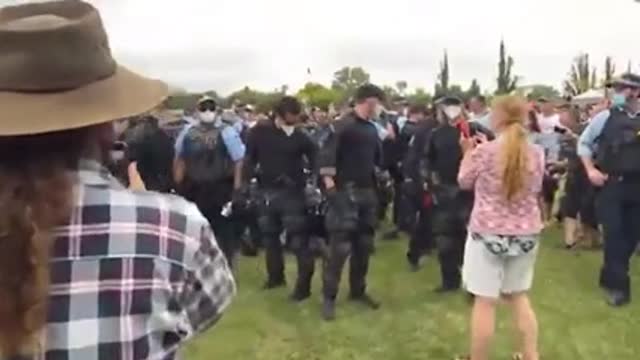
x,y
506,175
548,118
88,269
480,111
578,202
150,154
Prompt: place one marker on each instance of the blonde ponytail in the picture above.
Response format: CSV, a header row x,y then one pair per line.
x,y
513,152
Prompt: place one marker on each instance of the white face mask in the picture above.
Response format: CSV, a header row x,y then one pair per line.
x,y
117,155
207,116
452,112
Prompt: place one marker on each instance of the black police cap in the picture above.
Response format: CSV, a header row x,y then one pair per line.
x,y
449,100
625,80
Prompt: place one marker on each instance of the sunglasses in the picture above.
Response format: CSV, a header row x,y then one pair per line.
x,y
207,106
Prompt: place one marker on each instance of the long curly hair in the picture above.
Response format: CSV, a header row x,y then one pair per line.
x,y
36,195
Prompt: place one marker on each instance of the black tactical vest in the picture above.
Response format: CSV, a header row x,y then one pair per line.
x,y
619,144
206,157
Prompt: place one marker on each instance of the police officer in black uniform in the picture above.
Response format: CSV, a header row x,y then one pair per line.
x,y
614,137
281,149
404,206
417,201
348,165
452,206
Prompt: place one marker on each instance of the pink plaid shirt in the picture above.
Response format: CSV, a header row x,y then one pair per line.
x,y
492,213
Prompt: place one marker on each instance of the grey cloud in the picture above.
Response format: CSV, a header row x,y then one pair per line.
x,y
199,69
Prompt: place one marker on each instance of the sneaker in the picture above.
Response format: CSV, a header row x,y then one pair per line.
x,y
365,300
329,310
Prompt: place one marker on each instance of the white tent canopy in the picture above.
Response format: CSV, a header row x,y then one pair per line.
x,y
592,96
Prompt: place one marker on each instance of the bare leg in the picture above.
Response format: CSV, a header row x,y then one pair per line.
x,y
570,227
526,325
482,327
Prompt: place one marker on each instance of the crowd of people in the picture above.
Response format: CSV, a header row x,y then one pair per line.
x,y
119,234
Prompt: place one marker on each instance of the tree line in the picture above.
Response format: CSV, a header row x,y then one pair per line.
x,y
581,77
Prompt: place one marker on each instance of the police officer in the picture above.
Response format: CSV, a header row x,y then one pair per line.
x,y
616,169
452,206
404,210
208,170
281,150
348,165
417,200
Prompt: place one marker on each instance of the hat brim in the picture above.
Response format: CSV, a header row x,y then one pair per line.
x,y
121,95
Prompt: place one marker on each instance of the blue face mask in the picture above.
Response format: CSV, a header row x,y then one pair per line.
x,y
618,100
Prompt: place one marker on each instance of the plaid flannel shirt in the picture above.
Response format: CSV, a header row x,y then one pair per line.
x,y
133,275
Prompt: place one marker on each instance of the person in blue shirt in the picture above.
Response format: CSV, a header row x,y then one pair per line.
x,y
208,170
610,150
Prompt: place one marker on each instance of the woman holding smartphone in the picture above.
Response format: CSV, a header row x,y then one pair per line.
x,y
500,253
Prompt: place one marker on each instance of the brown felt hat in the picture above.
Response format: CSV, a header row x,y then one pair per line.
x,y
57,72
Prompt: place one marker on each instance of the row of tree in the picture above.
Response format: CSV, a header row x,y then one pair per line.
x,y
581,77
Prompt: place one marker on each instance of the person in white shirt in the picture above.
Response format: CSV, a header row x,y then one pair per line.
x,y
548,119
480,110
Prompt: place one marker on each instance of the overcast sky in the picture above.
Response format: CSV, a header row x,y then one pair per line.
x,y
226,44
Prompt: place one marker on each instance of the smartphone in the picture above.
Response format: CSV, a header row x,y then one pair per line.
x,y
559,130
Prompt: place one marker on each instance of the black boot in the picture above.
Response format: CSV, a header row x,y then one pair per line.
x,y
365,300
301,292
273,284
446,289
414,264
329,309
616,298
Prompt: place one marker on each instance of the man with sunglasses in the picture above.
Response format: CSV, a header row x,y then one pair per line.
x,y
348,163
208,170
614,137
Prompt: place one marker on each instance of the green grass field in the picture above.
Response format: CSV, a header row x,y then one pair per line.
x,y
415,323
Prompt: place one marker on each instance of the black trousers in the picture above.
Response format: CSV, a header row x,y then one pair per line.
x,y
579,198
210,203
350,220
451,211
284,209
225,230
618,205
249,231
421,237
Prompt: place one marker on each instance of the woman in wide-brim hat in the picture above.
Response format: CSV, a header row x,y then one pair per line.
x,y
65,289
